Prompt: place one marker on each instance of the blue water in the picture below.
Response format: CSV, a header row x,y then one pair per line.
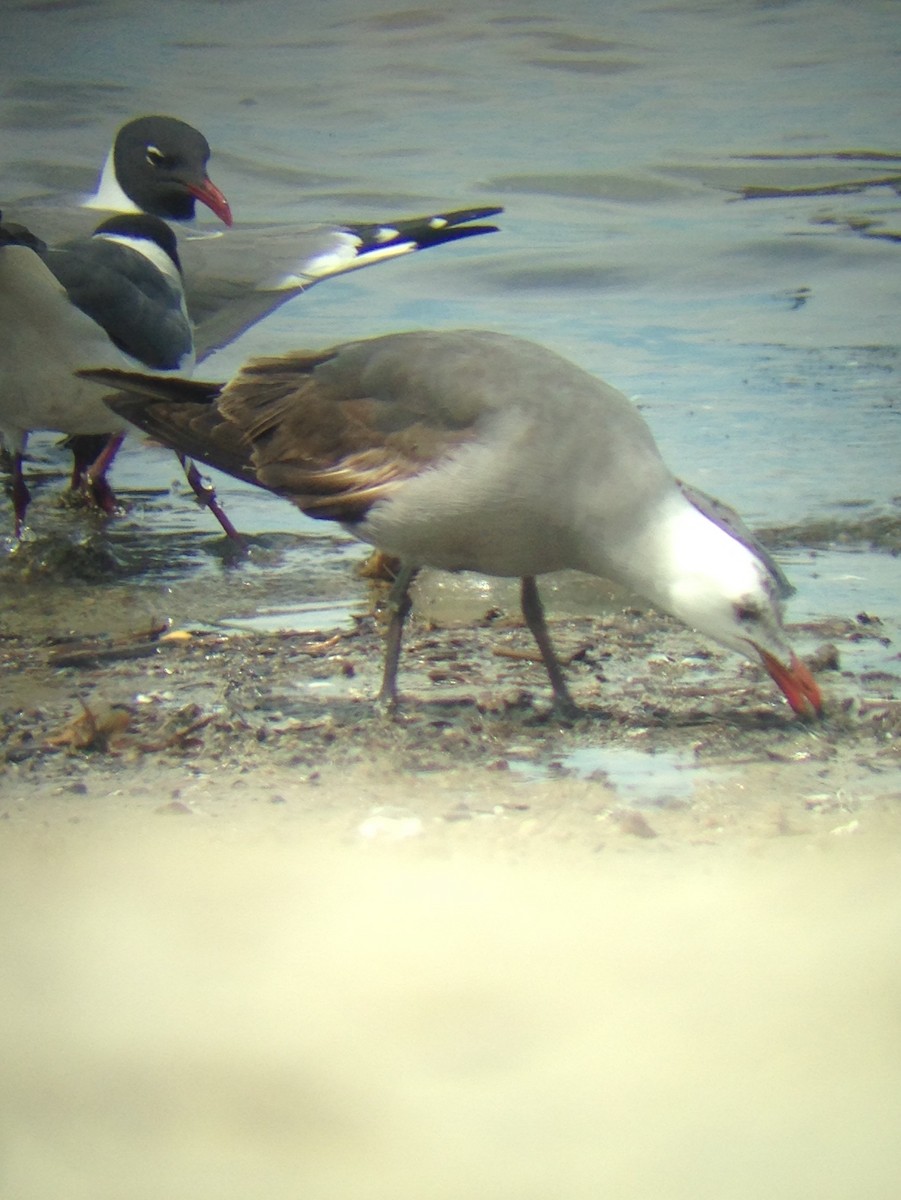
x,y
760,336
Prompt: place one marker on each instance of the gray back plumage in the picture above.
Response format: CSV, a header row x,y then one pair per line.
x,y
138,307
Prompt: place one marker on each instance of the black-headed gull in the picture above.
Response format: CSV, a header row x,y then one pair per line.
x,y
158,165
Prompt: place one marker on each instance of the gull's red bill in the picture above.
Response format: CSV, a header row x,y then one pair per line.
x,y
796,683
207,193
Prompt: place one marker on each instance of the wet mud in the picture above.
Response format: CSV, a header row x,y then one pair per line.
x,y
209,722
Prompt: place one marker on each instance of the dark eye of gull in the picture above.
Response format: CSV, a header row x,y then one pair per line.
x,y
747,612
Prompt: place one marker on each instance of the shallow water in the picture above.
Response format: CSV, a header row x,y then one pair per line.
x,y
758,335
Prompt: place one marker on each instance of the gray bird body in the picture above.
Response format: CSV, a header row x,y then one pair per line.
x,y
472,450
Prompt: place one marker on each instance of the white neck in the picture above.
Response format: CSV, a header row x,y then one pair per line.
x,y
109,195
153,252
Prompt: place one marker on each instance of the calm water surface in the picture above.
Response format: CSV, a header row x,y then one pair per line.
x,y
760,336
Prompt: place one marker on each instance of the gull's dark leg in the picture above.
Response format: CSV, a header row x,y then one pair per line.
x,y
86,449
399,603
533,612
18,489
206,495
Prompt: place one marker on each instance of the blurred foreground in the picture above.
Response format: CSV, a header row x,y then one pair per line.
x,y
237,1009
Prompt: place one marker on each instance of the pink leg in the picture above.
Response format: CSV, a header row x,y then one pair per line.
x,y
95,482
206,495
89,473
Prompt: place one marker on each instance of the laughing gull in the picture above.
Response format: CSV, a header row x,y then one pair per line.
x,y
114,298
478,451
236,279
158,165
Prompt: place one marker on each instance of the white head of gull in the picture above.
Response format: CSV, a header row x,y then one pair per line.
x,y
473,450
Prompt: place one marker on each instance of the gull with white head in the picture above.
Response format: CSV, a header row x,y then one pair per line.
x,y
472,450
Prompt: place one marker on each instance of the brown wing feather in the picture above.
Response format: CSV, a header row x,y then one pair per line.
x,y
334,454
180,413
318,440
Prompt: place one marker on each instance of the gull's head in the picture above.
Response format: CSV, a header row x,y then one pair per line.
x,y
158,165
722,587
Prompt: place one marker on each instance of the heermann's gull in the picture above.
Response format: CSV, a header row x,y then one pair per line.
x,y
478,451
113,298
